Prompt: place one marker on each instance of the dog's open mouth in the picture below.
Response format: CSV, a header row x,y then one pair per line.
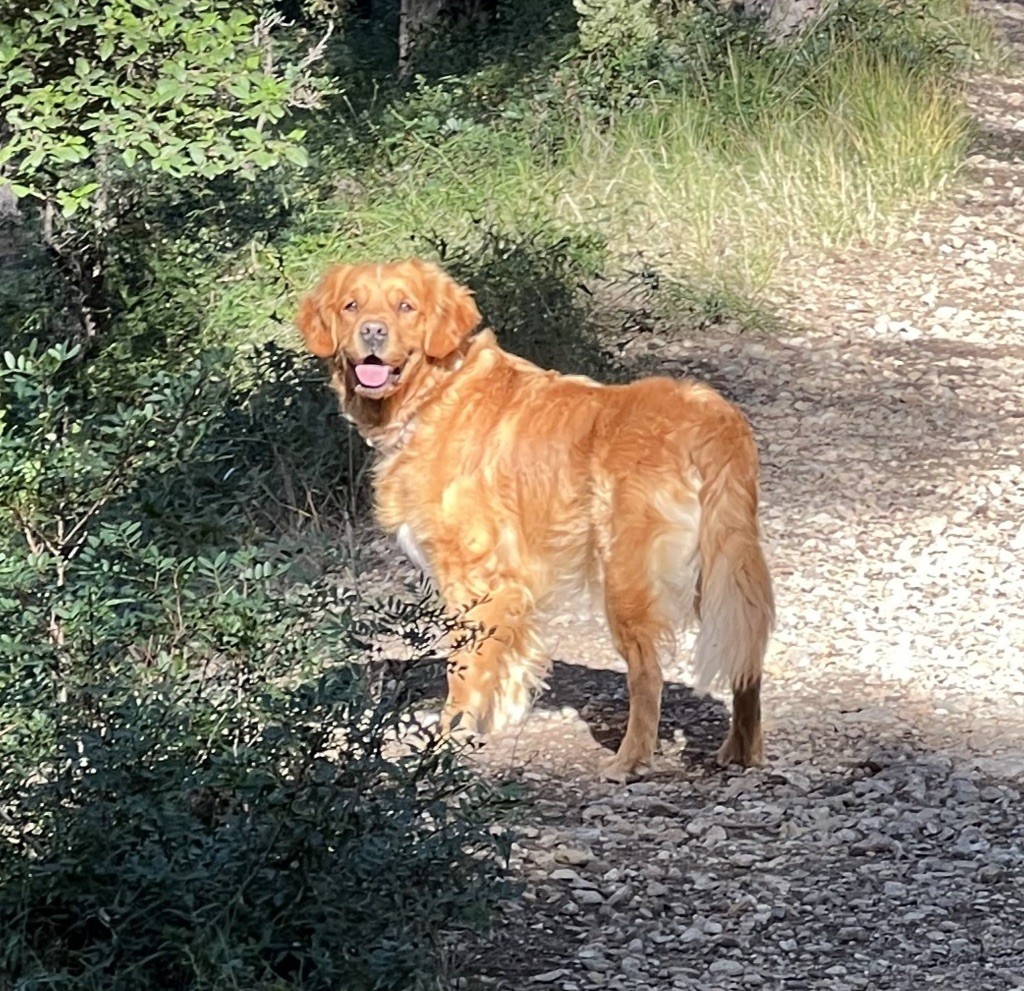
x,y
373,375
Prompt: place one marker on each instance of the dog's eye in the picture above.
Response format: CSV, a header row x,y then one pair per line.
x,y
351,305
406,307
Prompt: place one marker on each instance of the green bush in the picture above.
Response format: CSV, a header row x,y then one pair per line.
x,y
632,56
204,785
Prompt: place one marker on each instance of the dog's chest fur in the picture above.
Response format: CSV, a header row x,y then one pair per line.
x,y
412,548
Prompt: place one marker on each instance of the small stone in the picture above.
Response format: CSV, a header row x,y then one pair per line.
x,y
596,964
565,874
744,859
852,934
726,967
573,856
550,976
631,967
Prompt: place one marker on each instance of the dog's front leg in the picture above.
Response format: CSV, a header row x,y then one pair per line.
x,y
496,660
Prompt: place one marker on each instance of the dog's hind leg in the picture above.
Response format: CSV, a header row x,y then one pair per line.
x,y
635,642
650,571
631,607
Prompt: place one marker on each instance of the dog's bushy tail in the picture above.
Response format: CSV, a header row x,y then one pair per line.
x,y
735,602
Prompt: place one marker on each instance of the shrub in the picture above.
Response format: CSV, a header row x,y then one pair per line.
x,y
528,286
202,788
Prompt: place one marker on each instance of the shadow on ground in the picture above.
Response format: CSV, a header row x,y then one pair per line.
x,y
579,719
600,698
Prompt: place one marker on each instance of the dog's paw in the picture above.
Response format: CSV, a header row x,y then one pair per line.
x,y
623,768
736,750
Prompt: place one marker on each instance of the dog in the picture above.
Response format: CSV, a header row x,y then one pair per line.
x,y
513,485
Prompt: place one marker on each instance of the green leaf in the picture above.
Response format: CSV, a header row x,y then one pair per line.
x,y
178,82
296,155
68,154
68,204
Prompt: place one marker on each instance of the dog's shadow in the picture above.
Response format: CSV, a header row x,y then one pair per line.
x,y
600,696
692,724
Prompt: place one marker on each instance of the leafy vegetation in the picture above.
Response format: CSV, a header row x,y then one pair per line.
x,y
700,149
104,103
210,780
201,788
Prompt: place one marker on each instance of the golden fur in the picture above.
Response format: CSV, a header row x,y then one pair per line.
x,y
512,484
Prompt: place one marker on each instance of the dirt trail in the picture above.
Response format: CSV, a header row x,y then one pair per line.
x,y
882,845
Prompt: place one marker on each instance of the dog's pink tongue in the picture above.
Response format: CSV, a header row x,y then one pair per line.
x,y
372,376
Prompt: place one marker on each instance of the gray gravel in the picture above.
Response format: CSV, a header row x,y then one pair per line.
x,y
882,845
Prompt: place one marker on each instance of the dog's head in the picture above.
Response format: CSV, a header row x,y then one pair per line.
x,y
380,325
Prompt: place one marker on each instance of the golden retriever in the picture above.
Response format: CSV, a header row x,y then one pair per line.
x,y
513,485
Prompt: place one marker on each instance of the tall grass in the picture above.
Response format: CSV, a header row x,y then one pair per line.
x,y
450,188
454,190
726,203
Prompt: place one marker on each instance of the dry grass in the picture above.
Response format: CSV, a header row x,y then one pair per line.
x,y
727,207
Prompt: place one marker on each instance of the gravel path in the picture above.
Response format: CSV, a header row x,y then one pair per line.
x,y
882,845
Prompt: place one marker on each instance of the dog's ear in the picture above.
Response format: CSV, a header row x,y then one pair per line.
x,y
310,318
454,314
316,333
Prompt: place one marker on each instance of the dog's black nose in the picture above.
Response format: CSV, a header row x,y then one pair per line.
x,y
373,332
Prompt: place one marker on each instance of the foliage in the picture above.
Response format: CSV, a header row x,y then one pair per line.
x,y
935,36
97,94
710,152
110,106
528,284
617,39
632,56
750,153
200,788
610,27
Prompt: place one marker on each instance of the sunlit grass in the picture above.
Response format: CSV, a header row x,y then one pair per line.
x,y
444,193
727,206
